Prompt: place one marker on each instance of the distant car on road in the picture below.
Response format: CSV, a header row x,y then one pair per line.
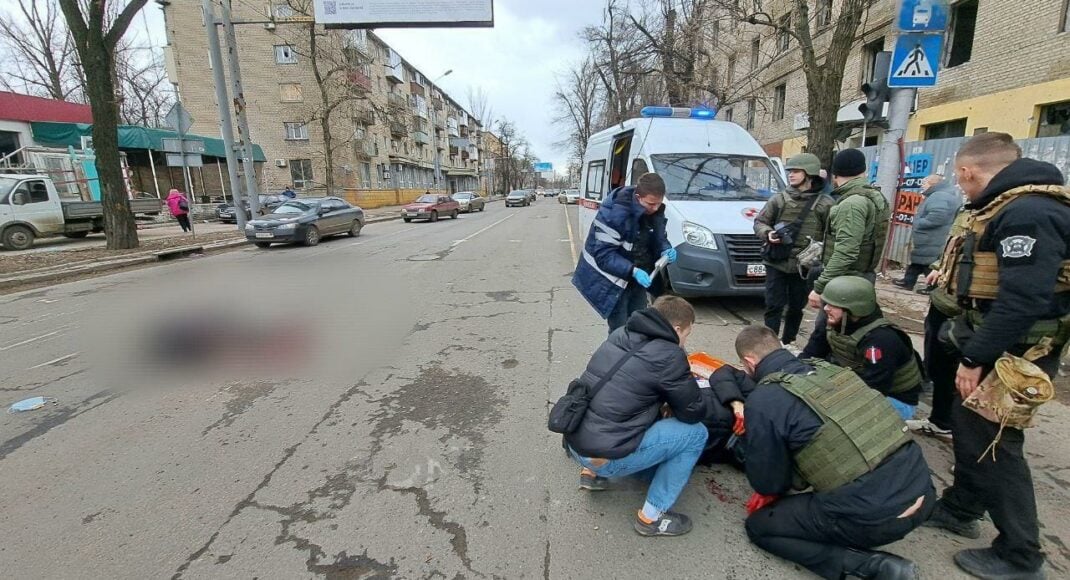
x,y
306,221
470,201
569,196
226,213
430,207
549,192
517,198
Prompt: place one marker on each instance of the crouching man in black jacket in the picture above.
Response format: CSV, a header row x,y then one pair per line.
x,y
822,427
623,432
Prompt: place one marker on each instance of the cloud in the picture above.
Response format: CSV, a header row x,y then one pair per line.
x,y
515,62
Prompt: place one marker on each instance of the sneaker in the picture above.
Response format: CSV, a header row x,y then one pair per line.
x,y
902,284
945,520
592,482
794,350
669,524
985,563
926,427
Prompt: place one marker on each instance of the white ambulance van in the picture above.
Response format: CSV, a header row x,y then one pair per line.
x,y
717,179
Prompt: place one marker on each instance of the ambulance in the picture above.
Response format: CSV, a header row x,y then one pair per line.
x,y
717,179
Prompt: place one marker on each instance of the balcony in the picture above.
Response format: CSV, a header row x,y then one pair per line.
x,y
459,143
421,138
359,82
364,117
416,88
364,149
397,100
398,129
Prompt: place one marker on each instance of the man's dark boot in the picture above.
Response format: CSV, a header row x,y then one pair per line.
x,y
984,563
878,565
945,520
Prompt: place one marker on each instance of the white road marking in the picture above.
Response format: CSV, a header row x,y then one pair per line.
x,y
54,361
571,239
461,241
29,340
47,301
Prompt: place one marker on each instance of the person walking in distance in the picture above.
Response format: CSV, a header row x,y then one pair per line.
x,y
626,239
787,223
179,207
932,221
1009,270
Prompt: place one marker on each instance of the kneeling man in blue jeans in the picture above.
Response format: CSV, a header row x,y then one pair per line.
x,y
623,432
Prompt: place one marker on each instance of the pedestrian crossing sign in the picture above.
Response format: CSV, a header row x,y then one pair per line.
x,y
915,60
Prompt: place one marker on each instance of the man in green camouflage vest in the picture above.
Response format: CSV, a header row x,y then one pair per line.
x,y
860,338
821,427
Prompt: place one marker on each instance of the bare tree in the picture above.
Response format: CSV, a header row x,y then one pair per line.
x,y
479,106
96,34
623,63
516,157
144,93
679,32
577,100
823,65
40,57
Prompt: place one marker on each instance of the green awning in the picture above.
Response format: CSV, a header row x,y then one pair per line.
x,y
130,137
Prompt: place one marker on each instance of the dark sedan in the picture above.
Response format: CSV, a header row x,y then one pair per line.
x,y
517,198
226,214
306,221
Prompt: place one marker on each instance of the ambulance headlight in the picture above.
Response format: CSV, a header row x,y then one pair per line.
x,y
699,236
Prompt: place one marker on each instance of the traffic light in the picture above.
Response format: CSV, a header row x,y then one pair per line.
x,y
876,90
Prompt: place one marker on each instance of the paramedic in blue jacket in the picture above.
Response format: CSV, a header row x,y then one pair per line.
x,y
625,240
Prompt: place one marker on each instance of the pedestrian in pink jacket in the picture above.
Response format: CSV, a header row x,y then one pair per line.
x,y
179,206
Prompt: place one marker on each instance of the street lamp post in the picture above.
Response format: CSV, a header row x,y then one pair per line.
x,y
434,129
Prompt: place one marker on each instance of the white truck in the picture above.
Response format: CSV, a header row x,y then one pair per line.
x,y
31,208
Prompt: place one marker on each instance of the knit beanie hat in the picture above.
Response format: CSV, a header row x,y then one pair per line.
x,y
849,163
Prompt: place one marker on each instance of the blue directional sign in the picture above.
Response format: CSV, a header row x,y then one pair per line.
x,y
544,167
922,15
915,60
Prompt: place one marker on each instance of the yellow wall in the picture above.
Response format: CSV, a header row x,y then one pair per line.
x,y
793,147
1014,111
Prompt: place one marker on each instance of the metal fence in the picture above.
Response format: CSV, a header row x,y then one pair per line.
x,y
1054,150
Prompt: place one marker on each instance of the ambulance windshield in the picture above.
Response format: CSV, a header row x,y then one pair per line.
x,y
705,177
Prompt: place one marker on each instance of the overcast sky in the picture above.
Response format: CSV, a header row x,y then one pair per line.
x,y
515,62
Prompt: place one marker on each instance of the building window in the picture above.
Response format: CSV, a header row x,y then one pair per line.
x,y
869,59
291,93
296,131
284,54
301,172
715,32
283,10
730,74
780,94
366,174
824,13
1064,23
1054,120
755,53
728,115
946,129
752,109
783,36
963,23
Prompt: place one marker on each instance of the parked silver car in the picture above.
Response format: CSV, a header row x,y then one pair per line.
x,y
470,201
569,196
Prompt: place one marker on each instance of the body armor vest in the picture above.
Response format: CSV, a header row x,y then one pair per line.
x,y
869,255
968,274
860,428
845,349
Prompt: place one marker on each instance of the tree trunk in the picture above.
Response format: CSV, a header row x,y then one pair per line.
x,y
119,226
325,114
824,103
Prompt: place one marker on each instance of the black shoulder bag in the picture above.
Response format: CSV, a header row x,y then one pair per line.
x,y
567,413
782,251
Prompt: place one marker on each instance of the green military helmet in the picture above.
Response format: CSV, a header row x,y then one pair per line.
x,y
854,294
807,162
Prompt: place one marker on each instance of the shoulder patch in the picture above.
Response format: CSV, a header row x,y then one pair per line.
x,y
1015,247
873,355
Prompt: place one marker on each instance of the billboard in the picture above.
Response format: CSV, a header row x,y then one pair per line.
x,y
404,13
544,167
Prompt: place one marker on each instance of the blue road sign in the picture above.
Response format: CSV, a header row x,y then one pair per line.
x,y
922,15
916,60
544,167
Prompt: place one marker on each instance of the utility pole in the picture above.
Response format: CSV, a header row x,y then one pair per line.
x,y
225,123
245,141
891,165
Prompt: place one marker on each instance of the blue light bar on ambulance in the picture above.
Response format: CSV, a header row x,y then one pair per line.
x,y
678,112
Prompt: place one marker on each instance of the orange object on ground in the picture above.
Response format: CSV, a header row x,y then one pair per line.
x,y
703,364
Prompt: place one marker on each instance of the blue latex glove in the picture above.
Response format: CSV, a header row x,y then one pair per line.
x,y
670,254
641,277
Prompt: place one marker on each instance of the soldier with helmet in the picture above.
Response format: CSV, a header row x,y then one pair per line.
x,y
860,338
1009,271
810,424
786,225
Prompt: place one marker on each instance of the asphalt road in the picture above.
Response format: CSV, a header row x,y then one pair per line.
x,y
384,416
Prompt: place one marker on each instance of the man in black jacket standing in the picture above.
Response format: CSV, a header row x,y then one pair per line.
x,y
822,427
1009,269
623,432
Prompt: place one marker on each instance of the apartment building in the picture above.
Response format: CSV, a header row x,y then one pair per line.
x,y
1004,68
389,124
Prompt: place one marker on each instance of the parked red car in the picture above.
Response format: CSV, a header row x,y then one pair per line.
x,y
431,206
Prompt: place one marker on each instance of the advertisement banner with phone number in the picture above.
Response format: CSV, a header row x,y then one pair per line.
x,y
908,198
